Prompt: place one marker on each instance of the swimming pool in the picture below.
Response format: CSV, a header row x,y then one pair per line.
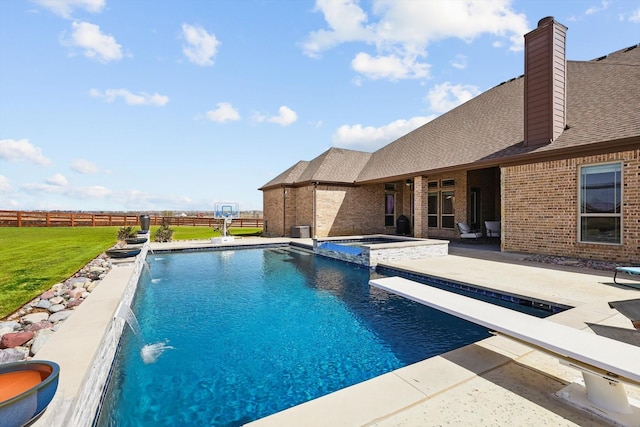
x,y
256,331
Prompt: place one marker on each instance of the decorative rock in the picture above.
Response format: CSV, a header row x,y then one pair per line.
x,y
5,330
85,294
76,293
10,324
56,308
48,294
79,282
60,315
57,286
56,300
34,317
74,303
11,355
43,304
43,324
91,286
40,339
14,339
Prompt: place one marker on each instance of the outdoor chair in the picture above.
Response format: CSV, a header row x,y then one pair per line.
x,y
631,271
467,233
493,228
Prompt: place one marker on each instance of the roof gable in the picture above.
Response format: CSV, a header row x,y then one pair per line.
x,y
287,177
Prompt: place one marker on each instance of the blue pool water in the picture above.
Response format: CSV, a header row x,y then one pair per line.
x,y
256,331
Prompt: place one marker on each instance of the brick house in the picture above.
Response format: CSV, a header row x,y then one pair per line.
x,y
553,154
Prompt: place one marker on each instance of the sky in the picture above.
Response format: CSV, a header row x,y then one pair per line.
x,y
158,105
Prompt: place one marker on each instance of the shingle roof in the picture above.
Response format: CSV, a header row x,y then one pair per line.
x,y
602,106
287,177
336,165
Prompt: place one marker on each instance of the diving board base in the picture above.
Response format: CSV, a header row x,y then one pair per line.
x,y
576,395
605,363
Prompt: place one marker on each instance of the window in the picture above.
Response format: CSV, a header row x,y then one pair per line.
x,y
447,219
601,203
432,209
389,205
440,204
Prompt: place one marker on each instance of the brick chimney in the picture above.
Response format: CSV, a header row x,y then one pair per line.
x,y
545,83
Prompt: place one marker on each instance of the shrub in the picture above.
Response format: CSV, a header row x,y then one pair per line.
x,y
125,233
163,234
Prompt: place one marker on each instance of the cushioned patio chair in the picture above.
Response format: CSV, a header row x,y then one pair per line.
x,y
467,233
631,271
493,228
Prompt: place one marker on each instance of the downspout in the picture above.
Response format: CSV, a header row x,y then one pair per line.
x,y
315,234
284,211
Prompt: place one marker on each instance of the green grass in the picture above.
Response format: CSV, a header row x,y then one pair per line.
x,y
32,259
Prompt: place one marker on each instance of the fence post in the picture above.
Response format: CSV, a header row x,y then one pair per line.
x,y
19,219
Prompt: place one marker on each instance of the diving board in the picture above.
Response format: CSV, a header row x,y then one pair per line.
x,y
605,363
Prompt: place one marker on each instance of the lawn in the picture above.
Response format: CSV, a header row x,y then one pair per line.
x,y
32,259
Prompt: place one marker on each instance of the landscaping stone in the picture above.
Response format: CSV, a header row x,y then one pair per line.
x,y
91,286
10,324
10,355
5,330
44,303
76,293
56,300
14,339
43,324
34,318
48,294
56,308
60,315
79,282
40,339
74,303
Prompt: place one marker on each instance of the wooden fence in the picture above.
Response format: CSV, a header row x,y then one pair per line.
x,y
79,219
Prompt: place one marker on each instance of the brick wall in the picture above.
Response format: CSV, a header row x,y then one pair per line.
x,y
344,211
540,205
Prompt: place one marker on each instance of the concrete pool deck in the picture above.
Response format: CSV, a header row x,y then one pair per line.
x,y
493,382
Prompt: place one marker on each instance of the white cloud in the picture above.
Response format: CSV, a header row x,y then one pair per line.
x,y
57,179
446,96
224,113
399,32
201,46
459,62
64,8
110,95
92,192
95,45
20,151
346,21
389,67
372,138
5,187
285,117
635,16
85,167
604,4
